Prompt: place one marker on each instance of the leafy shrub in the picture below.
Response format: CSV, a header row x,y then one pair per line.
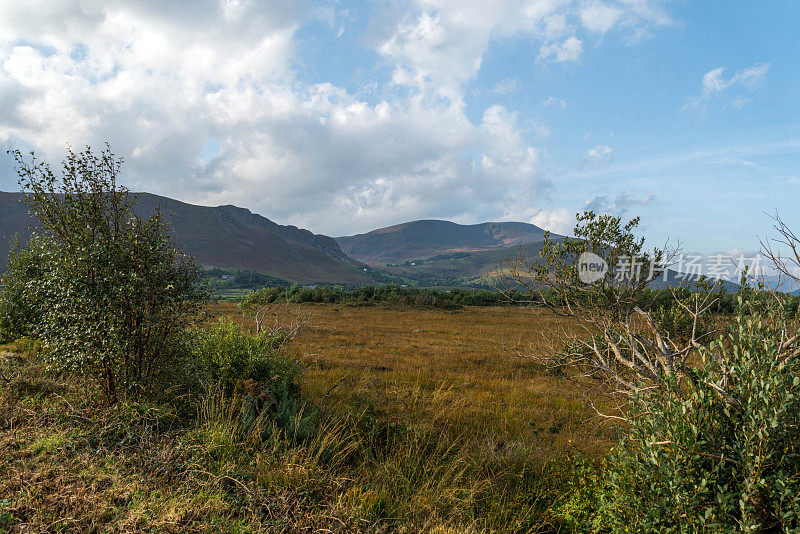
x,y
791,307
248,367
391,294
305,295
671,310
699,460
106,290
20,301
581,507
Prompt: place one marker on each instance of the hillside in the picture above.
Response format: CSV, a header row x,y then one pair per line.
x,y
428,238
224,236
14,220
477,268
481,269
424,253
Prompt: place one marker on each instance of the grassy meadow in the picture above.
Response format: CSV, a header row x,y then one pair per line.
x,y
423,422
414,364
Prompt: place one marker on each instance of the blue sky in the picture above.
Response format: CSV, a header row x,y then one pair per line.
x,y
346,116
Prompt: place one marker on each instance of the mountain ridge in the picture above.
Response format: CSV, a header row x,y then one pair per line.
x,y
427,238
428,252
225,236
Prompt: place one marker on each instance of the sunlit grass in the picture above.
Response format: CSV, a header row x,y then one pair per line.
x,y
403,361
424,423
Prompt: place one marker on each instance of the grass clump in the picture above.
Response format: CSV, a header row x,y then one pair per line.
x,y
250,371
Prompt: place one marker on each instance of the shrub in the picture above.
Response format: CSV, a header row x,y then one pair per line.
x,y
106,290
248,367
20,300
699,460
713,416
581,494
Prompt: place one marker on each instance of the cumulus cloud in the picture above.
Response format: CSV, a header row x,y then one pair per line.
x,y
438,45
716,86
599,17
568,50
558,220
161,82
636,17
619,206
599,155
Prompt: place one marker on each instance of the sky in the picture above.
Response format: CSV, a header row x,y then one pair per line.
x,y
342,117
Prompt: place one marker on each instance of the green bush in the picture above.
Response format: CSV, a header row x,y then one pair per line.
x,y
697,460
20,299
671,311
391,294
248,367
107,291
581,496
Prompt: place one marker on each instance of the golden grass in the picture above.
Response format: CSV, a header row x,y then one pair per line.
x,y
426,425
412,362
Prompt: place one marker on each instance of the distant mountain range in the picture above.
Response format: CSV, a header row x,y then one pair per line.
x,y
428,238
426,252
224,236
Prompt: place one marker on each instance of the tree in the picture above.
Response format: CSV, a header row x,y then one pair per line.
x,y
712,415
20,301
115,293
618,348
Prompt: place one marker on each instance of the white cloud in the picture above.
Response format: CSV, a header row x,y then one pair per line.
x,y
601,154
559,220
160,81
569,50
715,85
619,206
552,101
330,13
599,17
436,46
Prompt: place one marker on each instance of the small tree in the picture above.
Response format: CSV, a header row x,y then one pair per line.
x,y
713,417
114,292
619,348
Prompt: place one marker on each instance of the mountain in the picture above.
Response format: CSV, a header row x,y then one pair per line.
x,y
780,283
477,268
487,269
428,238
228,237
14,220
426,253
